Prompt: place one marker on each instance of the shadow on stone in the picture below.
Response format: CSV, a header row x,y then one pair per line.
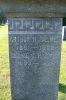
x,y
64,34
62,88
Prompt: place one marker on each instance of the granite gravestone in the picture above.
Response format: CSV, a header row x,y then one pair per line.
x,y
34,47
64,33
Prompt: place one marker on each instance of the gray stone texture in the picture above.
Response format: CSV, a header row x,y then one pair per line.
x,y
34,51
64,33
45,8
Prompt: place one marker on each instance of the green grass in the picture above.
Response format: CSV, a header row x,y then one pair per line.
x,y
62,81
4,65
5,93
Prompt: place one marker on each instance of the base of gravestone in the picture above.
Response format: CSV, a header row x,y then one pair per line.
x,y
34,51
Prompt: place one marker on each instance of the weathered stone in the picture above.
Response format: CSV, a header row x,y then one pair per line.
x,y
33,8
34,46
64,33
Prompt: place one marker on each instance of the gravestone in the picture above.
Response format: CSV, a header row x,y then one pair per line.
x,y
64,33
34,51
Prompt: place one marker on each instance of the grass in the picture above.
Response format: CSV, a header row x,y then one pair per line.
x,y
5,93
4,65
62,81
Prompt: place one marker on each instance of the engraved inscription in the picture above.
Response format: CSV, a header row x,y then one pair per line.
x,y
33,48
33,24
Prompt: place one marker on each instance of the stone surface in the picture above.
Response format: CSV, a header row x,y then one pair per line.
x,y
34,49
39,8
64,33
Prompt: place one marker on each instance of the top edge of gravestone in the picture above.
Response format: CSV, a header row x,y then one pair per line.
x,y
33,8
